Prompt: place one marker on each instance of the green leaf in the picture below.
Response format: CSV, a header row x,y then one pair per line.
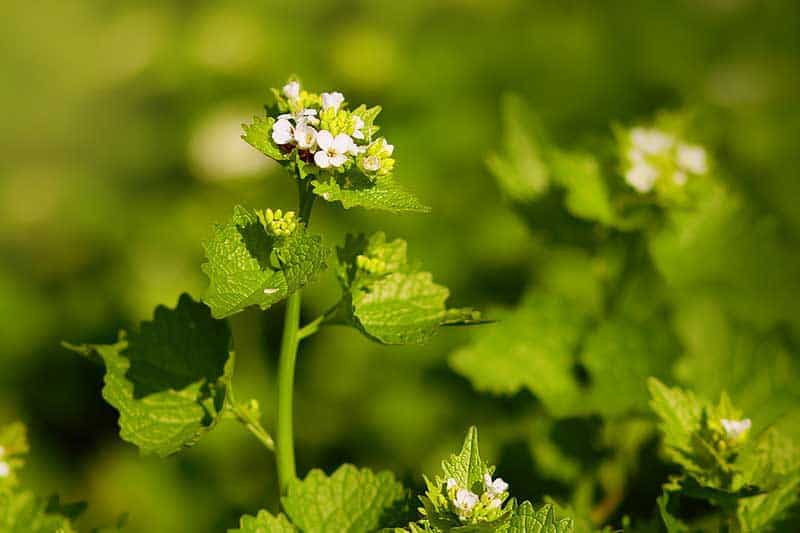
x,y
521,171
264,522
532,347
382,194
246,266
672,523
23,512
587,194
467,467
395,304
258,134
168,380
543,520
350,500
619,356
773,462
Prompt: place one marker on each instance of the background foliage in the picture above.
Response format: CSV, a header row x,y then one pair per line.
x,y
119,147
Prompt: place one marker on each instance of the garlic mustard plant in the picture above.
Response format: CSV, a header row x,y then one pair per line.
x,y
172,379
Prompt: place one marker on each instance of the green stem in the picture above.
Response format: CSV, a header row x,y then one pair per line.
x,y
313,326
247,419
284,453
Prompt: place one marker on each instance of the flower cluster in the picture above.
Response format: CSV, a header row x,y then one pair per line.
x,y
277,223
654,156
473,508
322,133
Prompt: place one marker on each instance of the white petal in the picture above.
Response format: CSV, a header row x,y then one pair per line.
x,y
308,112
372,163
285,116
388,149
291,90
338,160
735,428
692,158
451,483
305,136
333,100
324,139
343,143
5,469
651,141
321,158
282,131
358,134
641,177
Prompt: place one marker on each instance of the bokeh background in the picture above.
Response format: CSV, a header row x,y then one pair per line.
x,y
119,147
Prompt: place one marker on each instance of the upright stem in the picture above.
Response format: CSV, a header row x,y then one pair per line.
x,y
284,450
284,438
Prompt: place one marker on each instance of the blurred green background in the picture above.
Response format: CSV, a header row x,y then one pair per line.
x,y
119,147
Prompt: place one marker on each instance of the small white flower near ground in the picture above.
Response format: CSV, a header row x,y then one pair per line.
x,y
650,141
735,428
692,158
5,469
334,100
494,487
641,177
465,501
372,163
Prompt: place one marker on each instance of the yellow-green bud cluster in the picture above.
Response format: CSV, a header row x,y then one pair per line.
x,y
371,265
278,223
377,158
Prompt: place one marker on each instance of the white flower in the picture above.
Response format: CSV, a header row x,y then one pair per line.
x,y
680,178
292,90
333,100
372,163
496,487
465,501
451,483
651,141
641,177
388,149
333,151
735,428
305,136
357,133
282,131
692,158
307,115
5,469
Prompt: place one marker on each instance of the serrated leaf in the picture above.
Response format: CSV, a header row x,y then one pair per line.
x,y
467,467
23,512
382,194
246,266
168,380
350,500
532,347
264,522
397,305
258,134
543,520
